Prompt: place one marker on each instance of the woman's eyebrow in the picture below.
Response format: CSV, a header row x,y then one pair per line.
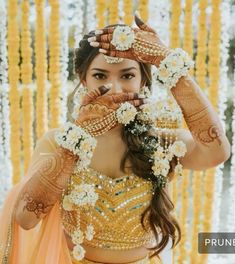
x,y
123,70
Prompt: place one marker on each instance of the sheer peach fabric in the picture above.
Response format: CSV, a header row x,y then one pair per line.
x,y
46,242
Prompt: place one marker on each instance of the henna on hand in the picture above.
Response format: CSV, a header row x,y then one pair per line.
x,y
97,107
198,112
147,48
49,177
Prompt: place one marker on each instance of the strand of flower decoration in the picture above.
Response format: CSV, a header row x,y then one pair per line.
x,y
5,163
13,60
143,9
41,70
91,22
184,184
54,63
175,10
159,14
27,93
231,199
214,75
113,12
197,179
120,11
64,59
101,6
223,88
174,25
78,22
127,8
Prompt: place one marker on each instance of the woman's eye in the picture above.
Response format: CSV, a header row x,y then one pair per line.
x,y
99,76
128,76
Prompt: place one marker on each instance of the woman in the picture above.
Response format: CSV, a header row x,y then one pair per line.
x,y
94,183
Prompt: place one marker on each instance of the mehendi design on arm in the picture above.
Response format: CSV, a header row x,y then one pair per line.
x,y
198,112
50,177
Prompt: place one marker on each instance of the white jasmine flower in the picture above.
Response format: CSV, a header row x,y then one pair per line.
x,y
147,113
77,237
123,37
178,148
161,167
83,194
78,252
67,204
126,113
178,169
159,153
90,232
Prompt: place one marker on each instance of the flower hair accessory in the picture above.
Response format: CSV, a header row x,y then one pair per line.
x,y
156,123
123,37
174,66
75,139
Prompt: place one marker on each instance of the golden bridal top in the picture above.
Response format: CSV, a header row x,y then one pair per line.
x,y
116,214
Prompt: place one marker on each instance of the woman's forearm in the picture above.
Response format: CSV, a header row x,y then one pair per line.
x,y
44,188
200,116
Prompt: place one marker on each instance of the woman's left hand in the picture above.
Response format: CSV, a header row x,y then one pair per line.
x,y
147,47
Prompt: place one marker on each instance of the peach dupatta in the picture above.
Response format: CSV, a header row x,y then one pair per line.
x,y
44,244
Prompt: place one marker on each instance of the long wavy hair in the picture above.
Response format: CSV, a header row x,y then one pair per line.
x,y
159,210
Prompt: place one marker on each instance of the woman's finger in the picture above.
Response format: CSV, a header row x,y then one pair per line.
x,y
123,97
137,102
107,38
94,94
108,30
140,23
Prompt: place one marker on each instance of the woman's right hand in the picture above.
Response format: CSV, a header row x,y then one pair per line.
x,y
97,104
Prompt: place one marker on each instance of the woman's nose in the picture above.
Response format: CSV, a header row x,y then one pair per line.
x,y
116,87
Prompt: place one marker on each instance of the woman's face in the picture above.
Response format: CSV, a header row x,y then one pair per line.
x,y
124,76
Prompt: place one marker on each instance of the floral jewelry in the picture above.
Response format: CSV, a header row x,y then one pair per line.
x,y
160,118
75,139
123,37
78,97
174,66
112,60
126,113
80,197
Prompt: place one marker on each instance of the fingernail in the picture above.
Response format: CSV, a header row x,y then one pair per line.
x,y
141,96
103,89
137,13
91,39
94,44
103,51
98,31
108,85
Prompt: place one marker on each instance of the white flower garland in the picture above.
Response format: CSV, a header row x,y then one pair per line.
x,y
64,58
126,113
81,195
91,21
75,139
174,66
5,162
78,21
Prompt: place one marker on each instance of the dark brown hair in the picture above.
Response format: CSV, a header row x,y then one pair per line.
x,y
159,210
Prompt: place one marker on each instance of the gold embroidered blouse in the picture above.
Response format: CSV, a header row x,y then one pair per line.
x,y
117,212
